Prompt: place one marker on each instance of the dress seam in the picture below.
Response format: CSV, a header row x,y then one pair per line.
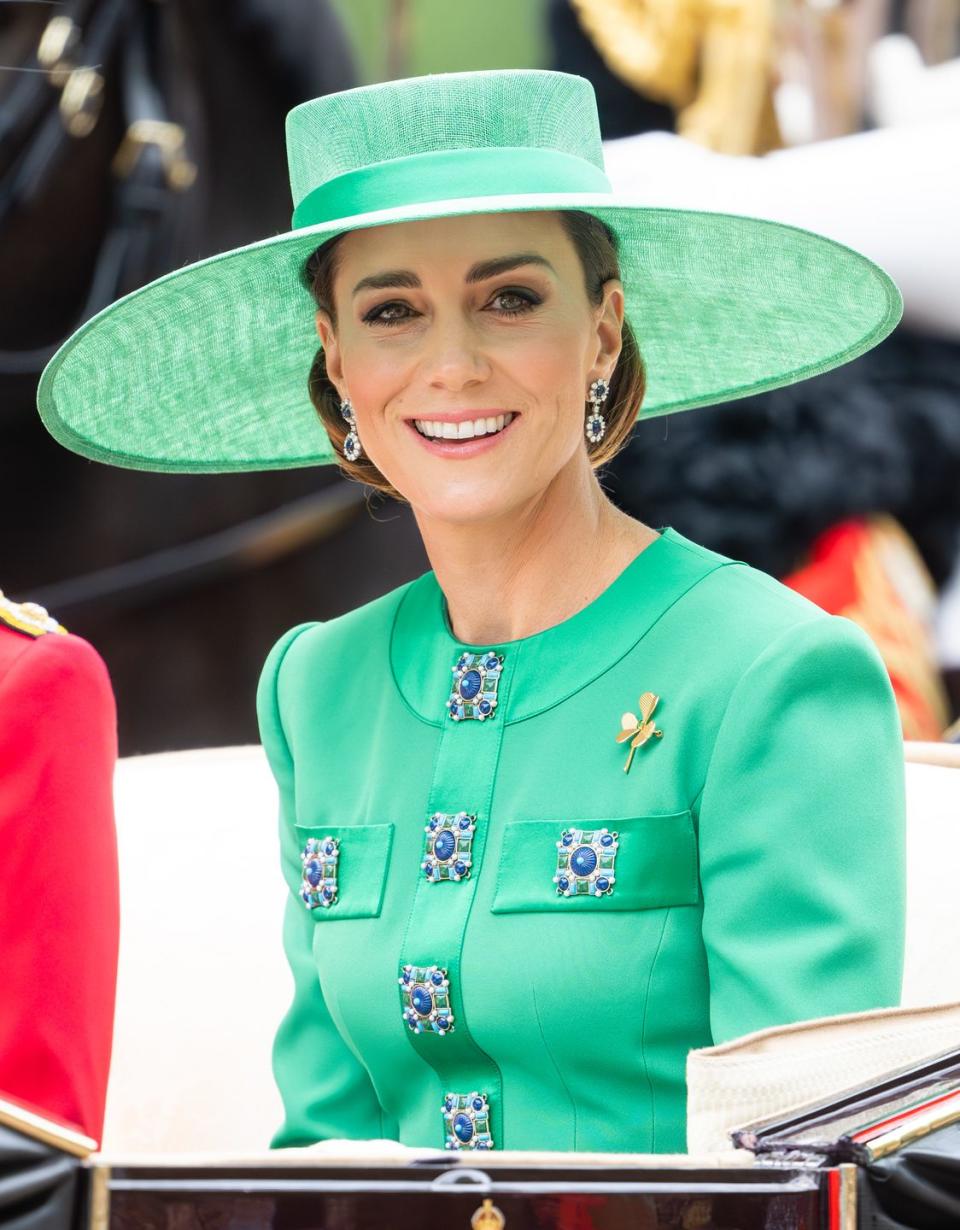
x,y
643,1032
390,667
556,1067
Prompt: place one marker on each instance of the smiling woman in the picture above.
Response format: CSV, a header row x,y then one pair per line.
x,y
595,245
584,795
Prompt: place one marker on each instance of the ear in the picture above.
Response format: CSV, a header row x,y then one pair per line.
x,y
334,358
609,325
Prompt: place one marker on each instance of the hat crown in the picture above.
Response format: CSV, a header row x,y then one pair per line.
x,y
352,129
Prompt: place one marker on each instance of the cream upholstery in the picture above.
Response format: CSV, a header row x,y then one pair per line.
x,y
203,982
774,1070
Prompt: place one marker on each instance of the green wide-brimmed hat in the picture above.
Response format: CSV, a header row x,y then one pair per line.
x,y
205,369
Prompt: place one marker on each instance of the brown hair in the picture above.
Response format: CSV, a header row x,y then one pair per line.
x,y
596,246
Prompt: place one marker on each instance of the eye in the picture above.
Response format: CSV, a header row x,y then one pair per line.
x,y
513,301
392,313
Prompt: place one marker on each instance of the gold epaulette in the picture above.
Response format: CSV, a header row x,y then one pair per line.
x,y
27,617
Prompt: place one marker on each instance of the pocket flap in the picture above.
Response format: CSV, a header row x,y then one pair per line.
x,y
363,861
656,865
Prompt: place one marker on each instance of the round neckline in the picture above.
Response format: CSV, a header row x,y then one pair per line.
x,y
619,580
544,669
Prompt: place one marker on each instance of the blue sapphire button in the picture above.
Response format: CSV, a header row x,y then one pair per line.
x,y
319,859
476,678
470,684
448,854
425,999
467,1121
583,861
586,860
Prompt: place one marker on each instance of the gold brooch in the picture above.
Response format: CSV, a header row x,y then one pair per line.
x,y
639,729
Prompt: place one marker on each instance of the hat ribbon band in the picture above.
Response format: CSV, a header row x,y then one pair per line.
x,y
449,174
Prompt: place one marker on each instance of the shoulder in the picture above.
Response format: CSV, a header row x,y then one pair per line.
x,y
745,617
319,648
39,657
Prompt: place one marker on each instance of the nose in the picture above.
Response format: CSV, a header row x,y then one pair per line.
x,y
454,359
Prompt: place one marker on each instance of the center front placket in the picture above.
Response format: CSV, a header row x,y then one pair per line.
x,y
464,775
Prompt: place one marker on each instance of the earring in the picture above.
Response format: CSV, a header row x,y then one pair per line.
x,y
596,425
351,444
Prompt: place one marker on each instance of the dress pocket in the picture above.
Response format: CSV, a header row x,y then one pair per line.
x,y
637,863
344,869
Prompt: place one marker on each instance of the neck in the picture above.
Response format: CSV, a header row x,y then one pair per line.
x,y
513,576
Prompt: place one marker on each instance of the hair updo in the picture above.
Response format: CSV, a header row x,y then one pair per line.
x,y
596,246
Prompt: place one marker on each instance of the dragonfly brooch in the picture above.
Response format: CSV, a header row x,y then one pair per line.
x,y
639,729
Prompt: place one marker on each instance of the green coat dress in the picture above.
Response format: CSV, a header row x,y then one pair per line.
x,y
531,971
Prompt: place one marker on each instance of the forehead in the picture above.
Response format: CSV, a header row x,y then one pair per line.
x,y
455,243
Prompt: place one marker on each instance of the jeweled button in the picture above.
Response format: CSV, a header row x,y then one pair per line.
x,y
425,999
467,1121
318,872
448,853
585,862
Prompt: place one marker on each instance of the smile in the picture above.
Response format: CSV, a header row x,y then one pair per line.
x,y
469,429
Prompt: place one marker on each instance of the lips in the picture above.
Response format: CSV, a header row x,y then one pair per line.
x,y
469,445
465,429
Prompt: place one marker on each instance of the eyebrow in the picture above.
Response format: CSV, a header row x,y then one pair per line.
x,y
479,272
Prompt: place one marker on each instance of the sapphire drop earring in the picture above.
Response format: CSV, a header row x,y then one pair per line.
x,y
596,425
351,443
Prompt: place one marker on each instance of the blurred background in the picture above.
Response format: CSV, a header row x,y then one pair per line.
x,y
139,135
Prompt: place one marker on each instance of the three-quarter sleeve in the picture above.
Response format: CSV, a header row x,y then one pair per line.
x,y
802,835
326,1091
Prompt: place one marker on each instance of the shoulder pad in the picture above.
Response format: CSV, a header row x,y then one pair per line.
x,y
27,617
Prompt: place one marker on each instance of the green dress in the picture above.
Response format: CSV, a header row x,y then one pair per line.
x,y
499,938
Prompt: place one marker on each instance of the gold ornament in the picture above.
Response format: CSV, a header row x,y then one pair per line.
x,y
639,729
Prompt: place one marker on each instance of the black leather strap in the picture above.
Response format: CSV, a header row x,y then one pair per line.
x,y
142,201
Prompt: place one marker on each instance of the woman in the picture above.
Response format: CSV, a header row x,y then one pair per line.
x,y
584,795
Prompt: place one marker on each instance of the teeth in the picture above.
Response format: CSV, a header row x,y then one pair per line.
x,y
467,430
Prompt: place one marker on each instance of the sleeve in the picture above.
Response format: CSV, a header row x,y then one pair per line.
x,y
802,836
59,899
326,1091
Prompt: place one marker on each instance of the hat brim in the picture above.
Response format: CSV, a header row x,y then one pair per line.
x,y
205,369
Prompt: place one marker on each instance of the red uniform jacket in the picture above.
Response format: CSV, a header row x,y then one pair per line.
x,y
59,894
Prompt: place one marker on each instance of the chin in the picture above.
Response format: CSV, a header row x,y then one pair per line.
x,y
467,503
